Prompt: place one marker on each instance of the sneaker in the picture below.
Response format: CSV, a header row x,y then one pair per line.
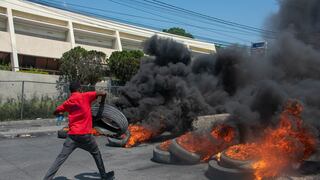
x,y
108,176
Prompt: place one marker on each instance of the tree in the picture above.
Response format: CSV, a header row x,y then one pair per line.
x,y
124,64
178,31
81,65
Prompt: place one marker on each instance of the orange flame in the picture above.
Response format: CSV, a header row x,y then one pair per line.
x,y
95,132
165,145
204,145
242,151
218,156
286,145
138,134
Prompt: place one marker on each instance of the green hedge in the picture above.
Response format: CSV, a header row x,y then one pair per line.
x,y
34,71
35,107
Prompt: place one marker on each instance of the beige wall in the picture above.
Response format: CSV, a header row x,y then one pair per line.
x,y
13,89
5,42
41,47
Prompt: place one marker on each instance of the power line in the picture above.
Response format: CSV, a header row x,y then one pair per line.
x,y
108,17
142,17
192,17
104,17
181,22
209,17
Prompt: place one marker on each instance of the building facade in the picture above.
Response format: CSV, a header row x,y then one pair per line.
x,y
36,36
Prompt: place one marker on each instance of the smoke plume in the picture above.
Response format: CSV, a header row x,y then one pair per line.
x,y
171,88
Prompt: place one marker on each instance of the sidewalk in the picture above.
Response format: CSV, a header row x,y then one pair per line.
x,y
26,128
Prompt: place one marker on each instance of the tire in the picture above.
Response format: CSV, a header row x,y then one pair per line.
x,y
182,154
215,171
162,156
112,117
118,142
228,162
62,134
104,131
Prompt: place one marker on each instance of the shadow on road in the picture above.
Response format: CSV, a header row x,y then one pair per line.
x,y
82,176
88,176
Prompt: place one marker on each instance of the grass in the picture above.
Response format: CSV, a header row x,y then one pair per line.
x,y
35,107
34,71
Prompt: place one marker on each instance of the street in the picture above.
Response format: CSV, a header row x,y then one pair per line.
x,y
29,158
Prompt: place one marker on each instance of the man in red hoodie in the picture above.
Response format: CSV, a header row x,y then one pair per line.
x,y
78,105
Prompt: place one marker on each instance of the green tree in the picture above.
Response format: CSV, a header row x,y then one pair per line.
x,y
178,31
124,64
81,65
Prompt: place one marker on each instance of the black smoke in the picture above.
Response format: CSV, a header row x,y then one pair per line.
x,y
171,88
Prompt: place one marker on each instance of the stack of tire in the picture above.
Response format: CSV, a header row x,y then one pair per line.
x,y
107,120
177,154
228,168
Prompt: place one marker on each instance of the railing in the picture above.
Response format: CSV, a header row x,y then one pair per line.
x,y
34,99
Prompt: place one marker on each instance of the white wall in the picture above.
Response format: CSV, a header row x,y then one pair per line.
x,y
5,42
13,89
35,46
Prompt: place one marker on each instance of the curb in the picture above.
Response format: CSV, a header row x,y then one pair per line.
x,y
51,120
31,131
27,128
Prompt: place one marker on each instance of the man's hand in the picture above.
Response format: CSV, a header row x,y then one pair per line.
x,y
101,93
56,112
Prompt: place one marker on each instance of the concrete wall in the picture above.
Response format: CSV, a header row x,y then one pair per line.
x,y
35,46
13,89
5,42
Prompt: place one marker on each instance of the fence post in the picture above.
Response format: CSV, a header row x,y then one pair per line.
x,y
22,100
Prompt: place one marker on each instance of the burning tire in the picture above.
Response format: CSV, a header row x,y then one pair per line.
x,y
119,141
112,117
215,171
228,162
104,131
161,156
182,154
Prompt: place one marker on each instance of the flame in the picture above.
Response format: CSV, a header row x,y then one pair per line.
x,y
288,144
95,132
281,147
242,151
225,132
165,145
138,134
203,144
218,156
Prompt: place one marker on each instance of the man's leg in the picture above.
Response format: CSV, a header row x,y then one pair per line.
x,y
68,147
89,144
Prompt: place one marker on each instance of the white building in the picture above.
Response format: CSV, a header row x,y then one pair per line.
x,y
33,35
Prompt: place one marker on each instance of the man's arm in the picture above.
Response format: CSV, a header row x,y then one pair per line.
x,y
60,109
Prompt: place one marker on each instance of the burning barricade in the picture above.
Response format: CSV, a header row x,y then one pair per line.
x,y
277,152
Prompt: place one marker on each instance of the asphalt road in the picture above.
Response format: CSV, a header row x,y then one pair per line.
x,y
29,158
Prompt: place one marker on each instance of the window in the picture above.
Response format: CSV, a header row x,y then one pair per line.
x,y
131,44
40,31
3,24
93,39
46,64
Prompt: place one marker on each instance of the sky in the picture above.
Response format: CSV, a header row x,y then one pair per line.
x,y
144,13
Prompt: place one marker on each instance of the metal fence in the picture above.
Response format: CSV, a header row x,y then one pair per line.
x,y
32,99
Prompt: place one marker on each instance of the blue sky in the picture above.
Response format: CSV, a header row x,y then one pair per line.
x,y
247,12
